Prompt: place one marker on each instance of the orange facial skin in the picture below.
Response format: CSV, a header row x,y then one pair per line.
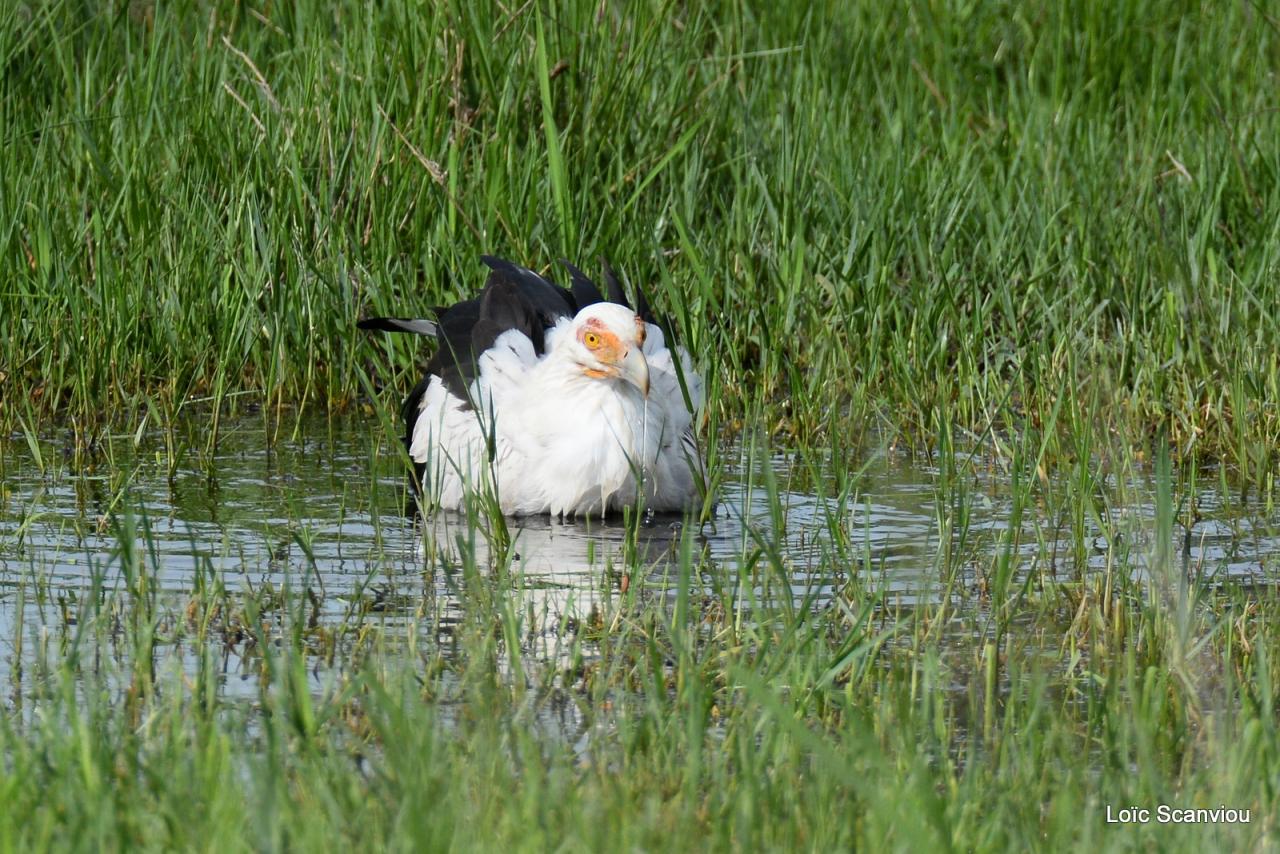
x,y
604,345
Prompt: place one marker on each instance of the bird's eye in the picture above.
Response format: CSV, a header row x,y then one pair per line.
x,y
591,339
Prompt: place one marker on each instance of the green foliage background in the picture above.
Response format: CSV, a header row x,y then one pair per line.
x,y
857,213
1045,230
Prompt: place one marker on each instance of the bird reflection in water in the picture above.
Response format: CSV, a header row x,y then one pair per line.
x,y
558,572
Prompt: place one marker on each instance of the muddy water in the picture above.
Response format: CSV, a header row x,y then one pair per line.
x,y
320,516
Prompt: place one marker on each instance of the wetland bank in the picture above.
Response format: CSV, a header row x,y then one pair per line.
x,y
983,297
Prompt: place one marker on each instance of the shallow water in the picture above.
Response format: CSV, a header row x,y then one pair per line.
x,y
322,513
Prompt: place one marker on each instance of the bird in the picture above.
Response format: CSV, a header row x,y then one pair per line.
x,y
559,400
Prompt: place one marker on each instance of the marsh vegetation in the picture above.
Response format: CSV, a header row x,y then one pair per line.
x,y
984,295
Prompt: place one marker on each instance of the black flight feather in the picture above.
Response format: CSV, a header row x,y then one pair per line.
x,y
614,288
504,307
414,325
514,297
455,359
409,412
584,291
612,283
548,301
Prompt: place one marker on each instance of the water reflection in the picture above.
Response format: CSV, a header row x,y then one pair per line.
x,y
322,515
562,569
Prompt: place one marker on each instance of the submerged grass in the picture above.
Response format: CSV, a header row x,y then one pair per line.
x,y
712,703
1049,232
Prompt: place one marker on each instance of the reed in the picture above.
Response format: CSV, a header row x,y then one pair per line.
x,y
1028,249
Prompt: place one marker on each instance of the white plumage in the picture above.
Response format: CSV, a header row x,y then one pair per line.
x,y
592,421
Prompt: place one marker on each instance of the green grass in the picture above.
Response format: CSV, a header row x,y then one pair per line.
x,y
1047,231
703,707
858,219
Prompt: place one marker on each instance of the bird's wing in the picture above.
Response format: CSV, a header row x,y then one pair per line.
x,y
586,292
514,299
543,299
413,325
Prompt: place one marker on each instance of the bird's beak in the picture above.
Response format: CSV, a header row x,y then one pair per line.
x,y
634,369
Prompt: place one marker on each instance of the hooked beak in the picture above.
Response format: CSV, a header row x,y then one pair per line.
x,y
634,369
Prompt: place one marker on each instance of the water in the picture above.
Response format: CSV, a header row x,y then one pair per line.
x,y
316,524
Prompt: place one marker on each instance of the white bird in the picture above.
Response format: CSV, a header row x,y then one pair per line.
x,y
555,399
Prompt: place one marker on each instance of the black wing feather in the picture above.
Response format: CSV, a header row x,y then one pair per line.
x,y
503,307
546,299
409,412
414,325
585,292
455,359
514,297
614,286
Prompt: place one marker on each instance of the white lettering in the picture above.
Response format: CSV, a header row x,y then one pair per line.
x,y
1128,815
1166,814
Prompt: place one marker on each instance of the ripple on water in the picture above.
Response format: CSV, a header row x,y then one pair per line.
x,y
325,510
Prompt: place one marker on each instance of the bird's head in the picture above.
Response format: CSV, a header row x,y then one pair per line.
x,y
607,344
